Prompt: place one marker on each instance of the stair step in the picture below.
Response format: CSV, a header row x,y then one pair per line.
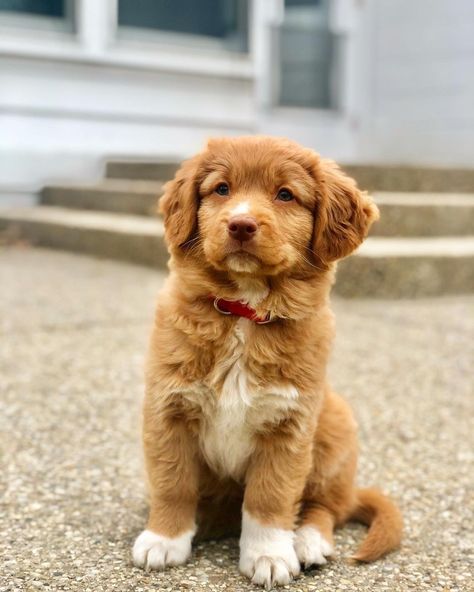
x,y
369,177
116,236
412,179
424,214
149,170
382,267
408,268
113,195
402,214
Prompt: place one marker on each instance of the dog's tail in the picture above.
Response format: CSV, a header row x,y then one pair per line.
x,y
384,520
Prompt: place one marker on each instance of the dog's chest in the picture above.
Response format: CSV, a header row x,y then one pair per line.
x,y
234,408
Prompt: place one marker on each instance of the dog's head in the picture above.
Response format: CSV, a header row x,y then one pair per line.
x,y
264,206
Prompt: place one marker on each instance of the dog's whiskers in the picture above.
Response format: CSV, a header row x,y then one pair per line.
x,y
300,244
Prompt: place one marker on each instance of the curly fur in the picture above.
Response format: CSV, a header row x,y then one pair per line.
x,y
239,416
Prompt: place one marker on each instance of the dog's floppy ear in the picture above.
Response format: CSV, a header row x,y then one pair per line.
x,y
344,214
179,204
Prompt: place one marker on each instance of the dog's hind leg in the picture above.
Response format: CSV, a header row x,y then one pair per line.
x,y
314,540
329,494
326,504
331,498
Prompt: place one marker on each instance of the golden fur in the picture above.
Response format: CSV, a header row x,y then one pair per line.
x,y
237,413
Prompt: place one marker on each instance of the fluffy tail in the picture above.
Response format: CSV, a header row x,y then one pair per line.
x,y
385,524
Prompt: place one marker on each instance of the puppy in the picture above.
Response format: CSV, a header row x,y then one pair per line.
x,y
241,430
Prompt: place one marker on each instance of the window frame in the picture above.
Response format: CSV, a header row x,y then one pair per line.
x,y
95,40
336,76
344,24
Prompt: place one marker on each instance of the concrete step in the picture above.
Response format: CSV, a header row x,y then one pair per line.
x,y
402,214
115,236
370,177
382,268
154,170
412,179
113,195
408,268
424,214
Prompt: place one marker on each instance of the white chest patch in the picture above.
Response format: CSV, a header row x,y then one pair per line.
x,y
230,421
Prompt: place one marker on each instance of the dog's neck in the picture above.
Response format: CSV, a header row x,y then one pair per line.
x,y
282,297
252,291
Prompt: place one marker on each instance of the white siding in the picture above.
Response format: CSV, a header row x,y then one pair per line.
x,y
422,82
67,101
59,119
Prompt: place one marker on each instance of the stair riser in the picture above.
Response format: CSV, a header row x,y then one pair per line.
x,y
141,204
398,220
133,248
403,179
404,277
368,177
151,171
358,276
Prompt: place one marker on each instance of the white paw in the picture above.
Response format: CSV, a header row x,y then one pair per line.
x,y
267,555
155,551
311,547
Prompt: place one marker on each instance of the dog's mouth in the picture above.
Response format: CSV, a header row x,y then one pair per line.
x,y
246,247
246,257
242,250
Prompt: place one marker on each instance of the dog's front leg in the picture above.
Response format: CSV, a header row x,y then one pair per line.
x,y
172,467
274,486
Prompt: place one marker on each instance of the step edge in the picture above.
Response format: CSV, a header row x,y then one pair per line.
x,y
414,199
415,247
86,219
109,186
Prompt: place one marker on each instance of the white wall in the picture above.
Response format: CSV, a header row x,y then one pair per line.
x,y
421,106
59,119
68,101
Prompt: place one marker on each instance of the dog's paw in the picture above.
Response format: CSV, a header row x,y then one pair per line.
x,y
270,570
267,555
155,551
311,547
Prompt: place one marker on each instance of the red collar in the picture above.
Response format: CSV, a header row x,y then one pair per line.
x,y
238,309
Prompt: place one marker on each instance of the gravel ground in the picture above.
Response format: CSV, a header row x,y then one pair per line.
x,y
73,336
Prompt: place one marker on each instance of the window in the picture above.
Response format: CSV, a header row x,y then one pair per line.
x,y
53,8
307,56
47,14
188,21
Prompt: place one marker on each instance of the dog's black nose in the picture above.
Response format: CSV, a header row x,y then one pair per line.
x,y
242,228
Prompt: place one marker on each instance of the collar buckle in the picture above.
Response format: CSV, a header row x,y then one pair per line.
x,y
265,321
216,306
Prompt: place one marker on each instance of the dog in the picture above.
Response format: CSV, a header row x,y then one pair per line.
x,y
241,430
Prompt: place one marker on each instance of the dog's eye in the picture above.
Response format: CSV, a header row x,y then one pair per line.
x,y
222,189
284,195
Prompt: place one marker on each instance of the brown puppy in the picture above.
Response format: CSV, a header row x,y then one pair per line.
x,y
240,426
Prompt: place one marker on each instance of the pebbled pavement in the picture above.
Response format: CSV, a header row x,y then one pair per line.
x,y
73,333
